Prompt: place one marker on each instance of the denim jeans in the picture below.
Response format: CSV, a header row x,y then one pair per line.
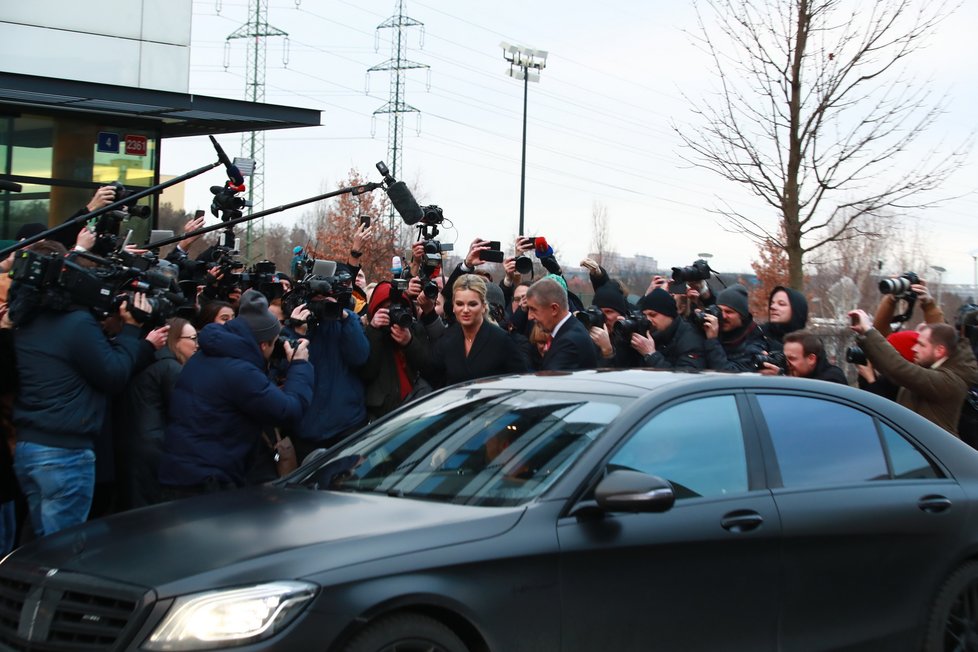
x,y
57,482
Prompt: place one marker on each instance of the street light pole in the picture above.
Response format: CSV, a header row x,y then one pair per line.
x,y
974,256
521,61
526,93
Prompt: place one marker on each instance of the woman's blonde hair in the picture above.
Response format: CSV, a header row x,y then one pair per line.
x,y
472,282
537,334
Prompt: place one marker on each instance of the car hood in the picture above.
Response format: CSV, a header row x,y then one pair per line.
x,y
258,534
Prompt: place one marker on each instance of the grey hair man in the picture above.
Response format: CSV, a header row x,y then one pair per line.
x,y
569,345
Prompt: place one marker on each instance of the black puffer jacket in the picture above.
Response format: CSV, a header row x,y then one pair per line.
x,y
678,347
734,351
828,372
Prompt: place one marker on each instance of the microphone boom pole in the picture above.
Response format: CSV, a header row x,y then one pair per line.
x,y
105,209
353,190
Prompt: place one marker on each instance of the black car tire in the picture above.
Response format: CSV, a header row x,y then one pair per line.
x,y
406,632
953,623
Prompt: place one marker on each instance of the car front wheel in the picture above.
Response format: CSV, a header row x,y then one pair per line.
x,y
406,632
953,623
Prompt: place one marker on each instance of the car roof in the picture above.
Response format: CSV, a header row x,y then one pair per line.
x,y
640,382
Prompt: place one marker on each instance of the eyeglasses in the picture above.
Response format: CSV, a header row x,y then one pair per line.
x,y
189,337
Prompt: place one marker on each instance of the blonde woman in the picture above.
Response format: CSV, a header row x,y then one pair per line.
x,y
472,347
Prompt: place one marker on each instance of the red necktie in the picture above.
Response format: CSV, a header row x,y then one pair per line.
x,y
550,340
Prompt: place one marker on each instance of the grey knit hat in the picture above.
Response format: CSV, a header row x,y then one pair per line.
x,y
253,310
494,295
735,298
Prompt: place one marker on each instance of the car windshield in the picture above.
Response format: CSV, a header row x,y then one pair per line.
x,y
471,446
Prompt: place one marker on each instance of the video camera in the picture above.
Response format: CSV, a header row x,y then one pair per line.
x,y
62,283
262,277
227,204
324,291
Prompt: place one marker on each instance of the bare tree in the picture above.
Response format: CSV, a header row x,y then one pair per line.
x,y
815,112
600,232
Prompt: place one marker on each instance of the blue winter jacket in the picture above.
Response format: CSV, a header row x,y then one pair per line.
x,y
67,369
221,402
336,350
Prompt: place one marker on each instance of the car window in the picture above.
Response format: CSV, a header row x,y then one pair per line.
x,y
698,446
821,442
471,446
907,461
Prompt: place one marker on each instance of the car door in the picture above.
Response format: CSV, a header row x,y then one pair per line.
x,y
700,576
864,517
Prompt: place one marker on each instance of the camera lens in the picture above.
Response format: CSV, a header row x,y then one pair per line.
x,y
894,285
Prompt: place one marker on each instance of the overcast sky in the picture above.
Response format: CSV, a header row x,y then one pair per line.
x,y
599,127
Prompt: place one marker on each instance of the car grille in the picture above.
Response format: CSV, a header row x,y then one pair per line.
x,y
55,611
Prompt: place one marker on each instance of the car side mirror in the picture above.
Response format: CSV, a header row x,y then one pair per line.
x,y
631,491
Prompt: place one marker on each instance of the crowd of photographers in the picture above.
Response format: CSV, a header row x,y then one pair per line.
x,y
133,379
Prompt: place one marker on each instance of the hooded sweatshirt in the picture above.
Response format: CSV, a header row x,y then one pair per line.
x,y
799,317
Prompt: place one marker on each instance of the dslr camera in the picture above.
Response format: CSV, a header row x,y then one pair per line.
x,y
634,322
698,317
855,355
591,318
698,271
777,359
899,286
400,311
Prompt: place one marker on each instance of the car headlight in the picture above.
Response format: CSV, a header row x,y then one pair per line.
x,y
217,619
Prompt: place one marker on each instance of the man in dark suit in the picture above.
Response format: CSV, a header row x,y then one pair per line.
x,y
570,345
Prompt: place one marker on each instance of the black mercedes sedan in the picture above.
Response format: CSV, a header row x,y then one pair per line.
x,y
599,510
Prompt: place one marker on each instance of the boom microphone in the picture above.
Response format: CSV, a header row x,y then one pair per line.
x,y
234,174
404,203
400,195
10,186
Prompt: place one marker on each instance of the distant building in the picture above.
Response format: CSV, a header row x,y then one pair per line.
x,y
616,263
88,94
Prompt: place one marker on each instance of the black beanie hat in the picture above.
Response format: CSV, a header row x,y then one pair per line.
x,y
735,298
609,296
659,301
253,310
